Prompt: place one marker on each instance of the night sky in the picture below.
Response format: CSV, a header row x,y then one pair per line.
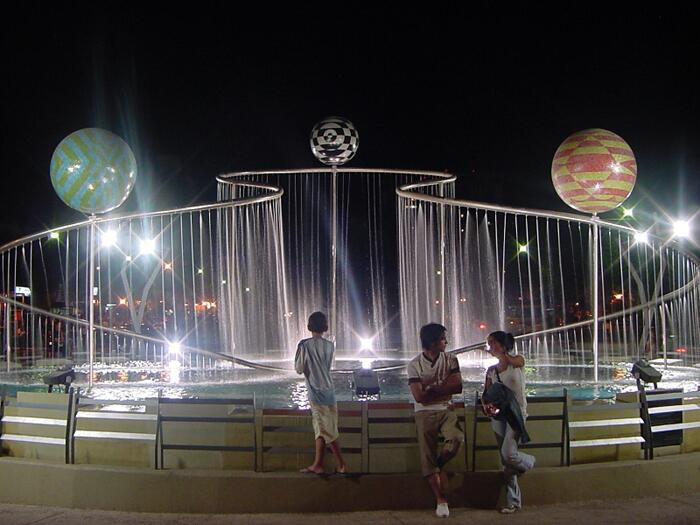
x,y
485,93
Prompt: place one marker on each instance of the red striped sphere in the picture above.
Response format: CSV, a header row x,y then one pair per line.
x,y
594,170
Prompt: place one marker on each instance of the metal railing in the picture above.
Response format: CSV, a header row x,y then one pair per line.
x,y
209,285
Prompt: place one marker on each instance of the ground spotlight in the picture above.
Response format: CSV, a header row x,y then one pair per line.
x,y
643,371
365,382
61,377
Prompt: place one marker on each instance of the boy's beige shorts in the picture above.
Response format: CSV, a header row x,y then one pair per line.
x,y
325,421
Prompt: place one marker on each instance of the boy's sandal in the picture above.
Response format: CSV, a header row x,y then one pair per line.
x,y
309,471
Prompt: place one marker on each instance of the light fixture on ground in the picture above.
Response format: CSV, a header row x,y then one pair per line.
x,y
643,371
365,382
62,377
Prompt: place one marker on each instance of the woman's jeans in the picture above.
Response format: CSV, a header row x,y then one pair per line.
x,y
514,463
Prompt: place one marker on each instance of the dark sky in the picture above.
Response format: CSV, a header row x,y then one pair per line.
x,y
486,93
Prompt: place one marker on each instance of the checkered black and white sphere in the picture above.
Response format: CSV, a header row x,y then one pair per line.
x,y
334,141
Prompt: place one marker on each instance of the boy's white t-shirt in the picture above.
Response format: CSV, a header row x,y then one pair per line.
x,y
422,369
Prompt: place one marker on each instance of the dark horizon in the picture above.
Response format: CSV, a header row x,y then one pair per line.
x,y
486,96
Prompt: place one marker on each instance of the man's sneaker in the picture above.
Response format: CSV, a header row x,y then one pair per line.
x,y
510,509
442,510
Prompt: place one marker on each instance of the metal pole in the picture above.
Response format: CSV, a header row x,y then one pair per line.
x,y
662,306
91,316
595,300
8,341
334,252
442,256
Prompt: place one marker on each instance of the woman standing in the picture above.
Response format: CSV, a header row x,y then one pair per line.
x,y
509,372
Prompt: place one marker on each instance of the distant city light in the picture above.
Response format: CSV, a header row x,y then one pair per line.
x,y
681,350
641,238
147,247
200,271
167,266
522,248
482,326
109,238
618,296
122,301
627,212
681,229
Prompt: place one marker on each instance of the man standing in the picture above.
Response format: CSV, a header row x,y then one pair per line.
x,y
434,377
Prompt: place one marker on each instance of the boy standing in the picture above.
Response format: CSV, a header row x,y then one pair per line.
x,y
434,377
314,359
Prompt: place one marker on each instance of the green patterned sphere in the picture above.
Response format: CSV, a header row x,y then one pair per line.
x,y
93,170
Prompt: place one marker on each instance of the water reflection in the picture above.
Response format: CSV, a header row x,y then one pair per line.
x,y
273,389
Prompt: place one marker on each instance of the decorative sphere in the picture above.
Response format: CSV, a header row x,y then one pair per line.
x,y
93,170
334,141
594,170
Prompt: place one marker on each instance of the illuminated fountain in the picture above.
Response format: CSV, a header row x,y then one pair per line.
x,y
192,293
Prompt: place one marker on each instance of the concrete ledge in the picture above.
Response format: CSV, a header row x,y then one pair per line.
x,y
142,490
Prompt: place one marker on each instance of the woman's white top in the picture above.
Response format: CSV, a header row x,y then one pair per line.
x,y
514,379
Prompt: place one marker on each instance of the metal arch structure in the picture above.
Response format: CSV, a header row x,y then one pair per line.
x,y
190,241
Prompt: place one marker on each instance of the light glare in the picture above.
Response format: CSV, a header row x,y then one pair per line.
x,y
641,237
109,238
174,349
148,246
681,229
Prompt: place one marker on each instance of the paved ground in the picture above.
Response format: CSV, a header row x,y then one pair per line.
x,y
683,509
